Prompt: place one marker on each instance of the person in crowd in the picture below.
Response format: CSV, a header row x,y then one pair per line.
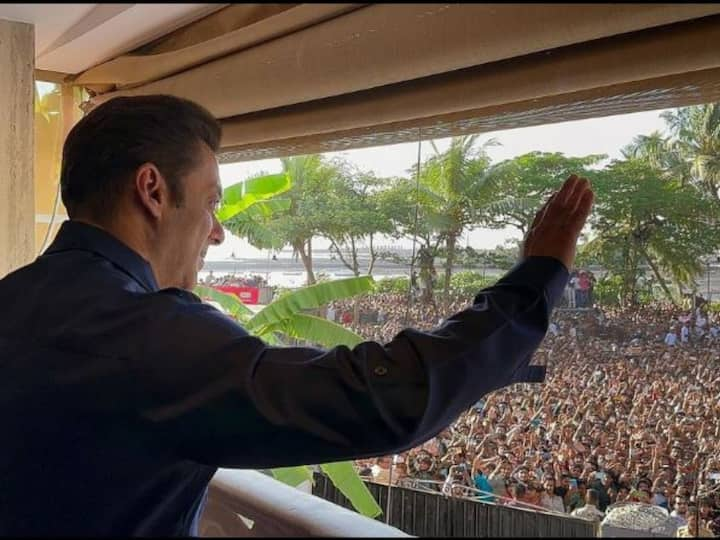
x,y
648,434
481,482
694,527
589,510
549,499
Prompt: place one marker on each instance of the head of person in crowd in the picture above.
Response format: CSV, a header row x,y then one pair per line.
x,y
592,497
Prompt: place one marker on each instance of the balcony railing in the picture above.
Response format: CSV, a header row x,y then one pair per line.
x,y
251,504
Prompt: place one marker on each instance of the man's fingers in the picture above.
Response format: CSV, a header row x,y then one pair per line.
x,y
582,210
582,186
567,190
541,213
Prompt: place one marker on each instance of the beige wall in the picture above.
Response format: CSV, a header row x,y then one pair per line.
x,y
17,203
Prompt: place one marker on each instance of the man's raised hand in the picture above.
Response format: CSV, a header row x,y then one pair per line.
x,y
557,225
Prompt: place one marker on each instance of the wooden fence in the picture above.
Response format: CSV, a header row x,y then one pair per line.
x,y
427,514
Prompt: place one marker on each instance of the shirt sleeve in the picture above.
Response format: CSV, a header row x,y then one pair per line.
x,y
225,398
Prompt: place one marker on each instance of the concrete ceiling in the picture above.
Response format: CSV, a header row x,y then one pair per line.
x,y
70,38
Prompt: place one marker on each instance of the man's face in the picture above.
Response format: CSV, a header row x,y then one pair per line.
x,y
193,227
522,475
681,506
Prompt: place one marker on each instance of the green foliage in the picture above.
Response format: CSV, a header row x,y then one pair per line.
x,y
394,285
232,305
307,298
523,184
468,284
608,291
695,143
241,196
642,218
249,209
344,475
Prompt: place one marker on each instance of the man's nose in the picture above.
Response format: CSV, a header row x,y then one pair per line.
x,y
217,233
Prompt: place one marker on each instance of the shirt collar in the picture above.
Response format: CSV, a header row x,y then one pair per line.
x,y
75,235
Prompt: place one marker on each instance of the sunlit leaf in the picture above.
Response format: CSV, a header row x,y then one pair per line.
x,y
321,331
347,480
242,195
293,476
230,302
311,297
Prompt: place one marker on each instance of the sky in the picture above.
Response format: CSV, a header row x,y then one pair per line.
x,y
607,135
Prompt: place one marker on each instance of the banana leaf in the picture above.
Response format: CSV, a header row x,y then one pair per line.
x,y
229,302
311,297
344,476
293,476
239,197
317,330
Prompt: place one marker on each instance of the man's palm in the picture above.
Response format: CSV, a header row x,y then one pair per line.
x,y
557,225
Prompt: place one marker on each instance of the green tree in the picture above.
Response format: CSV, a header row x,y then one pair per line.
x,y
354,216
296,222
414,216
696,140
460,187
523,183
642,218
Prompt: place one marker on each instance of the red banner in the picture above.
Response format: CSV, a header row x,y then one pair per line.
x,y
248,295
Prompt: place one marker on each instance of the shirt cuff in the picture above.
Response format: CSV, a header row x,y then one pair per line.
x,y
545,273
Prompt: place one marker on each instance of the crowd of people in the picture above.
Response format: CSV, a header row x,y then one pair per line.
x,y
625,414
234,280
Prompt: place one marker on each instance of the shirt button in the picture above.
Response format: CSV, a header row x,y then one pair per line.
x,y
380,371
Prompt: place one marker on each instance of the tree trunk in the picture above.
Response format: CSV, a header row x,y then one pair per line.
x,y
306,257
373,257
426,262
626,277
659,277
450,245
355,266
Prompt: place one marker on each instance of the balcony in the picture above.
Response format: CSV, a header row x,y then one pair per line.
x,y
249,504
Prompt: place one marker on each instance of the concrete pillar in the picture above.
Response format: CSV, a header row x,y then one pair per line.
x,y
17,203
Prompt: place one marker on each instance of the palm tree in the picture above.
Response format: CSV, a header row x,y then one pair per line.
x,y
298,226
295,220
458,180
696,132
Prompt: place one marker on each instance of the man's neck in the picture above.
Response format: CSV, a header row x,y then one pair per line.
x,y
133,237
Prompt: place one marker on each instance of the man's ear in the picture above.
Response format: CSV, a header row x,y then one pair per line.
x,y
151,189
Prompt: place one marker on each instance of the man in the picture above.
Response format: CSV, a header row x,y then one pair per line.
x,y
680,511
481,482
684,333
576,497
693,529
590,511
549,499
122,393
520,496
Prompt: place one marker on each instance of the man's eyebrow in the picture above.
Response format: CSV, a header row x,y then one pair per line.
x,y
220,192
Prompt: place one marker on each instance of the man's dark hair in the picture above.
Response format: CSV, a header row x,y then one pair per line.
x,y
592,496
107,146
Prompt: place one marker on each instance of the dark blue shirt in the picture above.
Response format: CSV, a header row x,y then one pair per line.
x,y
119,401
